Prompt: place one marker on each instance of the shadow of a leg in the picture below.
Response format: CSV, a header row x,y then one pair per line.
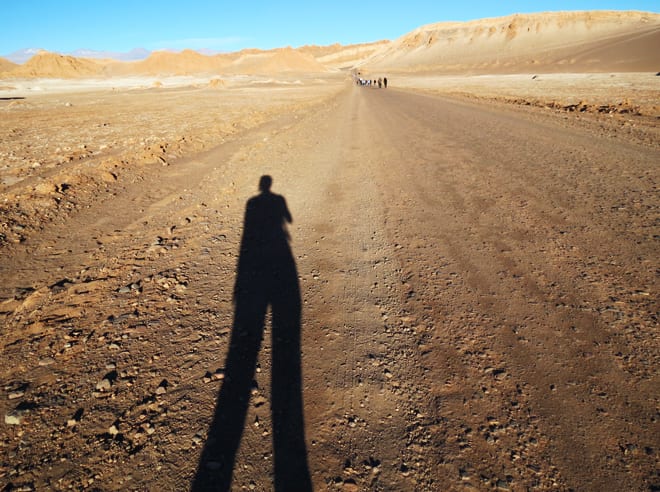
x,y
219,454
289,449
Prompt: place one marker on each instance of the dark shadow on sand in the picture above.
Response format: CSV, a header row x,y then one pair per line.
x,y
266,276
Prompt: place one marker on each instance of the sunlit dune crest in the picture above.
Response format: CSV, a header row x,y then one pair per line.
x,y
553,42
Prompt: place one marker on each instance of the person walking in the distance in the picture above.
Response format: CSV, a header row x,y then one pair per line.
x,y
266,277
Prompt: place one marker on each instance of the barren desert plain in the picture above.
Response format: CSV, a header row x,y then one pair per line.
x,y
460,291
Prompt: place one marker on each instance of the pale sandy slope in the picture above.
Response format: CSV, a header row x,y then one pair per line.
x,y
549,42
6,65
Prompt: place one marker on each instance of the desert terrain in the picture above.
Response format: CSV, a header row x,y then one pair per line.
x,y
462,288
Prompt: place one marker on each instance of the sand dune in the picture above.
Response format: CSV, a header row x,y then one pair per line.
x,y
187,62
338,56
275,61
53,65
168,63
595,41
6,65
551,42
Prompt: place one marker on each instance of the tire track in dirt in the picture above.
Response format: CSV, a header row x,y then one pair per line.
x,y
505,239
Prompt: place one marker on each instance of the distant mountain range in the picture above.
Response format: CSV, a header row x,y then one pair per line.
x,y
21,56
578,42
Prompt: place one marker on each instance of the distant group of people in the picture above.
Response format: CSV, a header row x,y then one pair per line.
x,y
379,82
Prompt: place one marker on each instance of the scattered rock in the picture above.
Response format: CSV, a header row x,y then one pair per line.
x,y
162,387
13,418
60,286
113,430
104,385
259,401
72,422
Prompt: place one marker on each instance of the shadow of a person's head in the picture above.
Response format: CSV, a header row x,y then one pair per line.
x,y
265,183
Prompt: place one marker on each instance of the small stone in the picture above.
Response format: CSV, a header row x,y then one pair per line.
x,y
46,361
113,430
28,487
76,418
13,418
16,394
104,385
162,387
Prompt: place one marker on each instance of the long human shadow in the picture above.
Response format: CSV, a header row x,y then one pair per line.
x,y
266,277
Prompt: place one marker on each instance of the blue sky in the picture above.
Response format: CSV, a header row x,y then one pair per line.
x,y
120,25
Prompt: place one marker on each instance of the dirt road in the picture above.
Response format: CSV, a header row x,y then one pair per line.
x,y
477,309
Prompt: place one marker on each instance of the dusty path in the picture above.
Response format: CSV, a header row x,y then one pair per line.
x,y
479,309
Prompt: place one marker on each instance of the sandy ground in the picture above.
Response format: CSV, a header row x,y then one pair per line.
x,y
468,299
624,93
63,133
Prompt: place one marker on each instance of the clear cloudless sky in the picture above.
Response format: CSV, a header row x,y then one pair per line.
x,y
120,25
